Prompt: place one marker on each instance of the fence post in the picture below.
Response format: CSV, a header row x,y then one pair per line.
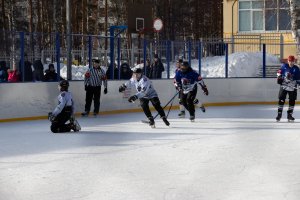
x,y
145,55
232,44
22,55
57,47
281,46
264,60
200,56
226,60
168,58
172,50
90,51
119,58
112,63
190,51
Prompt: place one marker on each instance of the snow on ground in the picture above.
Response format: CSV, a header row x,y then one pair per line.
x,y
229,153
242,64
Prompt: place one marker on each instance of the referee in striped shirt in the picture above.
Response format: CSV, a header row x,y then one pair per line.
x,y
93,80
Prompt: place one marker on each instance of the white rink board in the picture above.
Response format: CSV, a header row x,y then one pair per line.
x,y
20,100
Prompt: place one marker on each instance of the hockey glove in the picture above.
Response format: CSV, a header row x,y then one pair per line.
x,y
51,117
132,98
205,90
105,90
122,88
279,80
196,101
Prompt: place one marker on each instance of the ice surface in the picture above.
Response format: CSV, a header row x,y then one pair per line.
x,y
229,153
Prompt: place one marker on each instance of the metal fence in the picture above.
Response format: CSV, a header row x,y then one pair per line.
x,y
19,47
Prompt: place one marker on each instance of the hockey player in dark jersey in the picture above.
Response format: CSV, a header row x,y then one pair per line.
x,y
64,111
186,80
145,93
288,77
181,113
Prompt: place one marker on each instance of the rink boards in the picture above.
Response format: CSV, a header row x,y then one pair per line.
x,y
23,101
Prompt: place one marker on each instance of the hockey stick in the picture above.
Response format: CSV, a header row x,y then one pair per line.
x,y
171,100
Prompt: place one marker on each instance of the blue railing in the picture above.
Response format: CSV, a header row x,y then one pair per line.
x,y
212,59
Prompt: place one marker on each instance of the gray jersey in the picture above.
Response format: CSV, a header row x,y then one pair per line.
x,y
64,100
144,87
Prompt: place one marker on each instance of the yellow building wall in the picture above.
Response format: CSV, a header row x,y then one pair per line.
x,y
251,42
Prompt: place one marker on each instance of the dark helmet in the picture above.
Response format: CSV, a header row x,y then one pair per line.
x,y
185,64
137,70
64,84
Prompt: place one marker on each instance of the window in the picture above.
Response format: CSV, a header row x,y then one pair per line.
x,y
264,15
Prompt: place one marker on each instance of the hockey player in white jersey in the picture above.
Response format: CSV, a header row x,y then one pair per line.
x,y
63,112
145,93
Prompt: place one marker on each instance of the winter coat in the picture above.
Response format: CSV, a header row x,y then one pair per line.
x,y
13,76
3,72
38,73
156,70
126,72
27,71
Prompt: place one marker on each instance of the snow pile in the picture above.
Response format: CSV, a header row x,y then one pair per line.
x,y
242,64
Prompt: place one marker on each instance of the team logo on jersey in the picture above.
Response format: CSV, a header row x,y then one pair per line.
x,y
185,81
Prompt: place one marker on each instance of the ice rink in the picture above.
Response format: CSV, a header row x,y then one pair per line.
x,y
228,153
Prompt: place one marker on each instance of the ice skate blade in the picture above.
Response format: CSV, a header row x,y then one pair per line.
x,y
152,126
290,120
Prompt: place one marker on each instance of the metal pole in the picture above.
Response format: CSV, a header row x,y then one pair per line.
x,y
200,56
22,55
69,48
119,58
190,52
145,55
168,59
57,46
90,51
264,60
112,41
226,61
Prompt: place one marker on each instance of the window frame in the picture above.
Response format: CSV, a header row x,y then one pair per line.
x,y
263,10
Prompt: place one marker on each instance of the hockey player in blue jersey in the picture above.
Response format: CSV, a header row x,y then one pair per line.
x,y
288,77
145,93
186,80
64,111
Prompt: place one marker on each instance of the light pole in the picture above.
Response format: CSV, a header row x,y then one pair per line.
x,y
69,42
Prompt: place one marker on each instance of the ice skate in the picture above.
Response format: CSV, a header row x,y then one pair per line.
x,y
290,117
192,118
202,108
85,114
75,125
95,114
181,114
166,121
278,116
151,122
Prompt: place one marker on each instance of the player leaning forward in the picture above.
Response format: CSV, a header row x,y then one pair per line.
x,y
186,80
145,93
64,111
288,77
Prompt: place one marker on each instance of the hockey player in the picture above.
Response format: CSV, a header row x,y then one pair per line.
x,y
63,111
145,93
288,76
186,80
181,113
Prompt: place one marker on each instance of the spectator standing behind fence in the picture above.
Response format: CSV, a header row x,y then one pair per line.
x,y
156,68
126,72
38,73
147,68
50,74
3,72
13,75
26,73
93,80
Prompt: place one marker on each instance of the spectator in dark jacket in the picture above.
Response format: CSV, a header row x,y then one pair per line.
x,y
3,72
147,68
156,68
126,72
38,73
26,74
50,74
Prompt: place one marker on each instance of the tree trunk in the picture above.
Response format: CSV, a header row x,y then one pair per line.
x,y
295,24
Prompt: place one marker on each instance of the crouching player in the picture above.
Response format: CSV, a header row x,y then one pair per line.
x,y
63,111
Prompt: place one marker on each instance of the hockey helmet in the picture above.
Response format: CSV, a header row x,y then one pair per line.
x,y
137,70
64,84
291,58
